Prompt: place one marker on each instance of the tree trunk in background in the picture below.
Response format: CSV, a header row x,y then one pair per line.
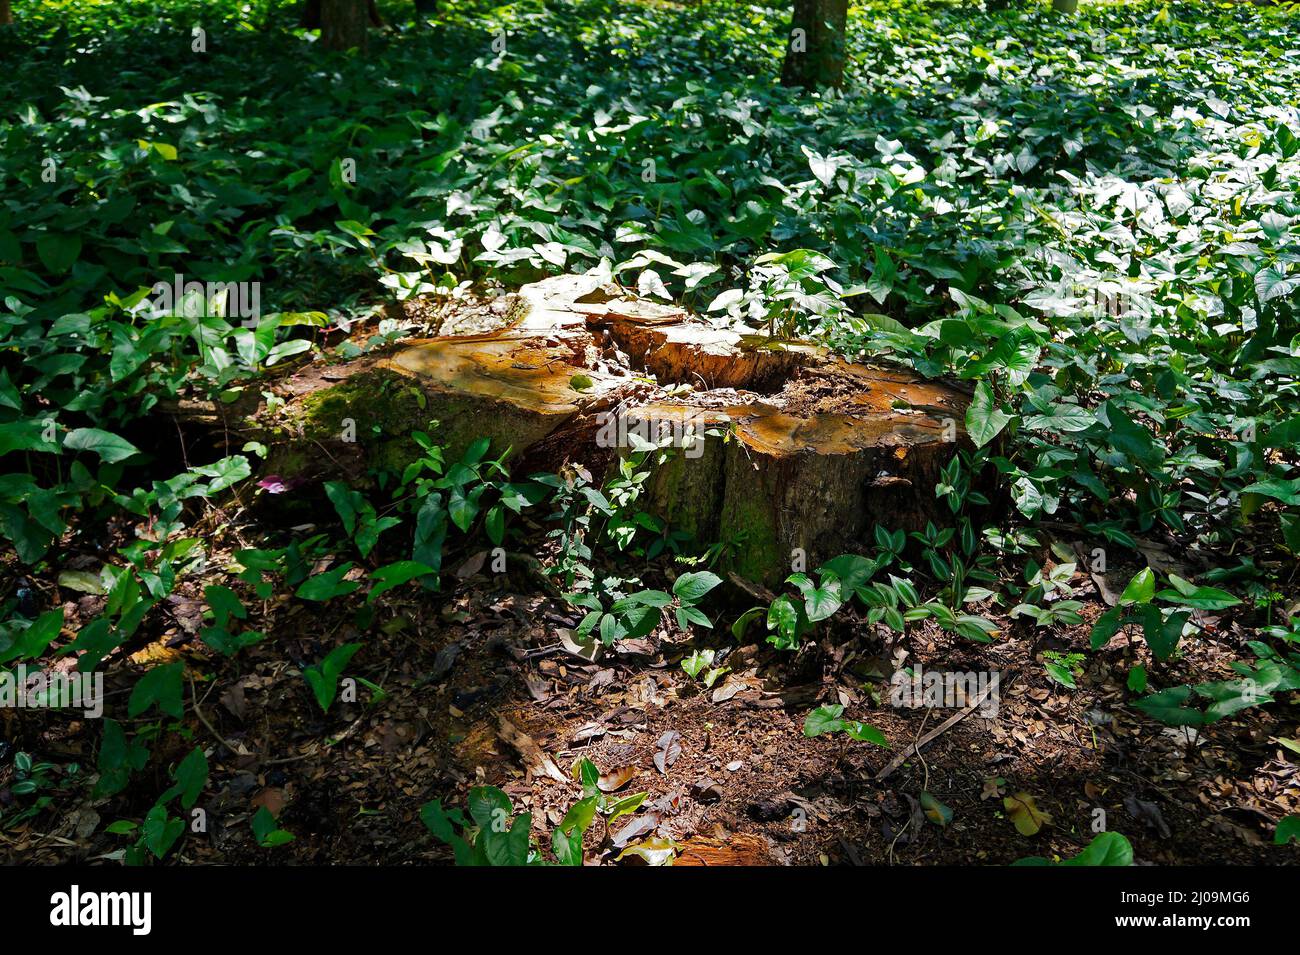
x,y
814,55
310,18
343,24
6,13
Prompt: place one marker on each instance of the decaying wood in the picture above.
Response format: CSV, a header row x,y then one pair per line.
x,y
784,451
729,849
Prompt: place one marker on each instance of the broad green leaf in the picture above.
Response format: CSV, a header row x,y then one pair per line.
x,y
323,678
984,418
396,574
824,719
1106,849
1169,707
1106,627
1140,589
328,585
1202,598
691,588
1288,492
110,447
161,686
58,252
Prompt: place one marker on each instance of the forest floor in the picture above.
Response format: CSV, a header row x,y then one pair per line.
x,y
480,690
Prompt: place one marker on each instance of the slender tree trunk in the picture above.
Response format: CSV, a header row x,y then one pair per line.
x,y
343,24
310,18
6,13
814,56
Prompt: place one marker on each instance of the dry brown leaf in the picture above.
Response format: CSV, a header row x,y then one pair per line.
x,y
535,760
617,778
670,747
472,565
727,691
272,798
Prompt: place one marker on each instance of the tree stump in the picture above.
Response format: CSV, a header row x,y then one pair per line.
x,y
783,449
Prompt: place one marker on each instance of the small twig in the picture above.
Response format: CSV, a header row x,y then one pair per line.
x,y
941,728
59,839
894,841
288,759
204,720
925,783
352,728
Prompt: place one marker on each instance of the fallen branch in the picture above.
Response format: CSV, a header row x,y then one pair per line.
x,y
204,720
915,748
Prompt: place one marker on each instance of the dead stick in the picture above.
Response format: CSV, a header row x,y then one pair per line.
x,y
941,728
204,720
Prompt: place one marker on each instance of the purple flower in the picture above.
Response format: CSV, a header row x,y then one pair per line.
x,y
274,484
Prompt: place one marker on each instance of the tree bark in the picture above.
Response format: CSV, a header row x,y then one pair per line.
x,y
343,23
814,56
6,13
310,16
783,450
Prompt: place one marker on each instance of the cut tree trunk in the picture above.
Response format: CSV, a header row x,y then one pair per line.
x,y
814,55
783,450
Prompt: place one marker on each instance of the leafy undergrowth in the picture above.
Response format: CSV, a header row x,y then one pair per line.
x,y
1094,221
